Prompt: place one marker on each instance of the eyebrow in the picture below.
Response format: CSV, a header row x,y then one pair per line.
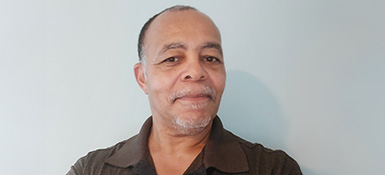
x,y
177,45
213,45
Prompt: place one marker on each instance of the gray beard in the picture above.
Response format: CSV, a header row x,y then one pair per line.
x,y
190,127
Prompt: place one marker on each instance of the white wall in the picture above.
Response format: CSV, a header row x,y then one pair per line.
x,y
303,76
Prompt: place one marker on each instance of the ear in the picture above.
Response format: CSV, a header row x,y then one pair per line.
x,y
139,75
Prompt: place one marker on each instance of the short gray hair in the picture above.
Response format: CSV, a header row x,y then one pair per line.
x,y
146,25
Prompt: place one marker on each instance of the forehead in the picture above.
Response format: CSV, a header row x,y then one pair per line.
x,y
187,26
182,17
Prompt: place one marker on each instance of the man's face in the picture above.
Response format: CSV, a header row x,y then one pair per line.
x,y
185,73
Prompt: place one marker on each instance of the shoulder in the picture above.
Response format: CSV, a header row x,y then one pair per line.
x,y
266,160
90,163
101,154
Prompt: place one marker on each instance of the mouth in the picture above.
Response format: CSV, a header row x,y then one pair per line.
x,y
194,101
197,95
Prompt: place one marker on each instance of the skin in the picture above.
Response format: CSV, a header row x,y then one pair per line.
x,y
183,54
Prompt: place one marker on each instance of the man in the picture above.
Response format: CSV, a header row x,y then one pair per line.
x,y
182,71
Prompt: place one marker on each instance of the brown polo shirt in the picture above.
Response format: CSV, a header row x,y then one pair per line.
x,y
224,153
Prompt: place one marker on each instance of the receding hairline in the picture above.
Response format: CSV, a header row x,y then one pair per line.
x,y
146,27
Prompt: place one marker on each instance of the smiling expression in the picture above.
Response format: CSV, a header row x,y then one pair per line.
x,y
184,74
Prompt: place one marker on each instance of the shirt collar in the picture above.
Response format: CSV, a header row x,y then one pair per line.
x,y
135,149
223,150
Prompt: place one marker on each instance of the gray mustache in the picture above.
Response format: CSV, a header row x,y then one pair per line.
x,y
207,91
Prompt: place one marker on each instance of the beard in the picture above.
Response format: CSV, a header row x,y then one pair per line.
x,y
191,125
194,124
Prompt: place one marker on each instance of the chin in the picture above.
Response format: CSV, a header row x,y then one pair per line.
x,y
191,124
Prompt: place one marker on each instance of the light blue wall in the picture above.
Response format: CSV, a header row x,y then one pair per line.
x,y
303,76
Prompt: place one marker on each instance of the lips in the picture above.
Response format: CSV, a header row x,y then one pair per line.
x,y
194,97
198,94
194,101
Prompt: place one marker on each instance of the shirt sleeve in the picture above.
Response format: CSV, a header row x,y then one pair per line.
x,y
291,167
77,168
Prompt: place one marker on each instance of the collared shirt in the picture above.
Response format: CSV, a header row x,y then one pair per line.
x,y
224,153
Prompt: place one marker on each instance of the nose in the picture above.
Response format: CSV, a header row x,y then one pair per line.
x,y
194,71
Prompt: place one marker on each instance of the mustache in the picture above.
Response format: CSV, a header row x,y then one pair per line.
x,y
203,91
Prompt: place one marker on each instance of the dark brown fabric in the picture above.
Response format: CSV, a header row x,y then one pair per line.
x,y
224,153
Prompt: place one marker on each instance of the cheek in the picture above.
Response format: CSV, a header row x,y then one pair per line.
x,y
219,79
160,85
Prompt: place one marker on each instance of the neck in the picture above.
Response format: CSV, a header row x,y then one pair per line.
x,y
168,140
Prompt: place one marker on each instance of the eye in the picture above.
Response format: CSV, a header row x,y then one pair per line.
x,y
171,59
212,59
